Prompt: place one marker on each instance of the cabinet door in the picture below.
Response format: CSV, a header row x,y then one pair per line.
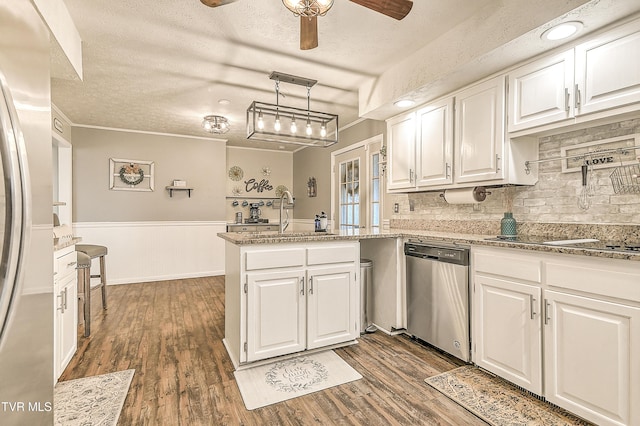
x,y
65,322
434,144
541,92
480,132
276,312
592,350
69,322
608,70
332,306
508,331
401,151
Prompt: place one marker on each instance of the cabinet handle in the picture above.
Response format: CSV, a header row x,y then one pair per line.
x,y
566,99
71,264
302,286
410,175
576,96
61,307
497,163
447,171
65,299
310,285
532,303
546,312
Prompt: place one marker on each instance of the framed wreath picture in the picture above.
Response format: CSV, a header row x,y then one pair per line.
x,y
130,175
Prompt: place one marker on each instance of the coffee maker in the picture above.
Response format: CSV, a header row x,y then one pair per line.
x,y
254,214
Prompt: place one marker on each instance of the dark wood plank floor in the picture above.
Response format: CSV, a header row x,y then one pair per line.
x,y
171,333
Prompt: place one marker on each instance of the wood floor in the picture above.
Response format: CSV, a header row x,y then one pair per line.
x,y
171,333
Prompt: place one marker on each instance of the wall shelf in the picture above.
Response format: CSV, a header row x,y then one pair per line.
x,y
178,188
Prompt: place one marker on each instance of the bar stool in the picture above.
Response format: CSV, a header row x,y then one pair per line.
x,y
84,290
94,251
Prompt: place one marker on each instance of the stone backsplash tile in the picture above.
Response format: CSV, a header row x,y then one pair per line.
x,y
554,199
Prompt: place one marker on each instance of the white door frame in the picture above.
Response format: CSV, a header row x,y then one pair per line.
x,y
367,169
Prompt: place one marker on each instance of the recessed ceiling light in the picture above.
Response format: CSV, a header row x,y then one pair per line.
x,y
403,103
224,101
562,31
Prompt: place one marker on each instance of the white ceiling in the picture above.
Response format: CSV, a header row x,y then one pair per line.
x,y
161,65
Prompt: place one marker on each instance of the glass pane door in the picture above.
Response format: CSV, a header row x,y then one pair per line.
x,y
349,196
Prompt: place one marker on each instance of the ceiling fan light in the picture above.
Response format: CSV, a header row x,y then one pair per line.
x,y
308,8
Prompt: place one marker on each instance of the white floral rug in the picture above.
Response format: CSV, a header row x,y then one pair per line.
x,y
91,401
282,380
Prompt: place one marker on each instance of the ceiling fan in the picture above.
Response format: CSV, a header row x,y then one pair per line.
x,y
309,10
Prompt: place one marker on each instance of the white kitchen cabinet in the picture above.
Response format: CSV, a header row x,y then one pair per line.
x,y
290,297
65,329
480,131
599,76
541,92
592,348
508,331
401,151
608,70
331,306
434,144
507,325
276,313
590,316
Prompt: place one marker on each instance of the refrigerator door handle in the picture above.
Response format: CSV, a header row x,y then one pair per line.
x,y
17,197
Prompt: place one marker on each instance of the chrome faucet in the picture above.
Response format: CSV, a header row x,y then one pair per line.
x,y
283,225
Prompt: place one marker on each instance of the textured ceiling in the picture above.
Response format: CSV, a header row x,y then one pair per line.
x,y
162,65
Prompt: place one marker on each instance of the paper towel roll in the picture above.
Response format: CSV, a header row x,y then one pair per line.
x,y
465,195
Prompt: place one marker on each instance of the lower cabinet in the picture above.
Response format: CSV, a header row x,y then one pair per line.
x,y
508,333
286,298
592,358
65,321
586,311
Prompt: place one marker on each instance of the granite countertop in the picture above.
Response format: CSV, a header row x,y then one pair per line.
x,y
66,242
437,236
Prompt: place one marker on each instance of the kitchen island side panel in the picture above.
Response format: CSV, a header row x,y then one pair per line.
x,y
232,302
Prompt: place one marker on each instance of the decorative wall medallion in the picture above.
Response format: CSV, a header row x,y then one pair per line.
x,y
280,190
266,171
296,374
131,175
236,190
235,173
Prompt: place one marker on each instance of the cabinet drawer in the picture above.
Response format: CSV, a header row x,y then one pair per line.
x,y
518,267
622,281
331,254
278,258
66,264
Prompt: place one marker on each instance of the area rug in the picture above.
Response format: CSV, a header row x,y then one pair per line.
x,y
95,400
498,402
276,382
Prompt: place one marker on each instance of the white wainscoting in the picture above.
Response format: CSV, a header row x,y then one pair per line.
x,y
156,251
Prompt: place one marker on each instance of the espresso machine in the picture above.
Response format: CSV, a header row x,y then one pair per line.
x,y
254,214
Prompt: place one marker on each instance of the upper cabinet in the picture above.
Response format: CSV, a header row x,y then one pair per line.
x,y
541,92
480,132
457,141
599,76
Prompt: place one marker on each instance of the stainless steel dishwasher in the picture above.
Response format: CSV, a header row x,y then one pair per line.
x,y
438,296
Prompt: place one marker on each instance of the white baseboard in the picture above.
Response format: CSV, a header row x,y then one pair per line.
x,y
156,251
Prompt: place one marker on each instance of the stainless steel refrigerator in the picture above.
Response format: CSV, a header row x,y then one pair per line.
x,y
26,252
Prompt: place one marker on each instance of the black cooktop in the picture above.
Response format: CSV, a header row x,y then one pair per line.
x,y
590,245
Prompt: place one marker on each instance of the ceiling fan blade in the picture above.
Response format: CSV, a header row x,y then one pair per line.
x,y
308,33
216,3
396,9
